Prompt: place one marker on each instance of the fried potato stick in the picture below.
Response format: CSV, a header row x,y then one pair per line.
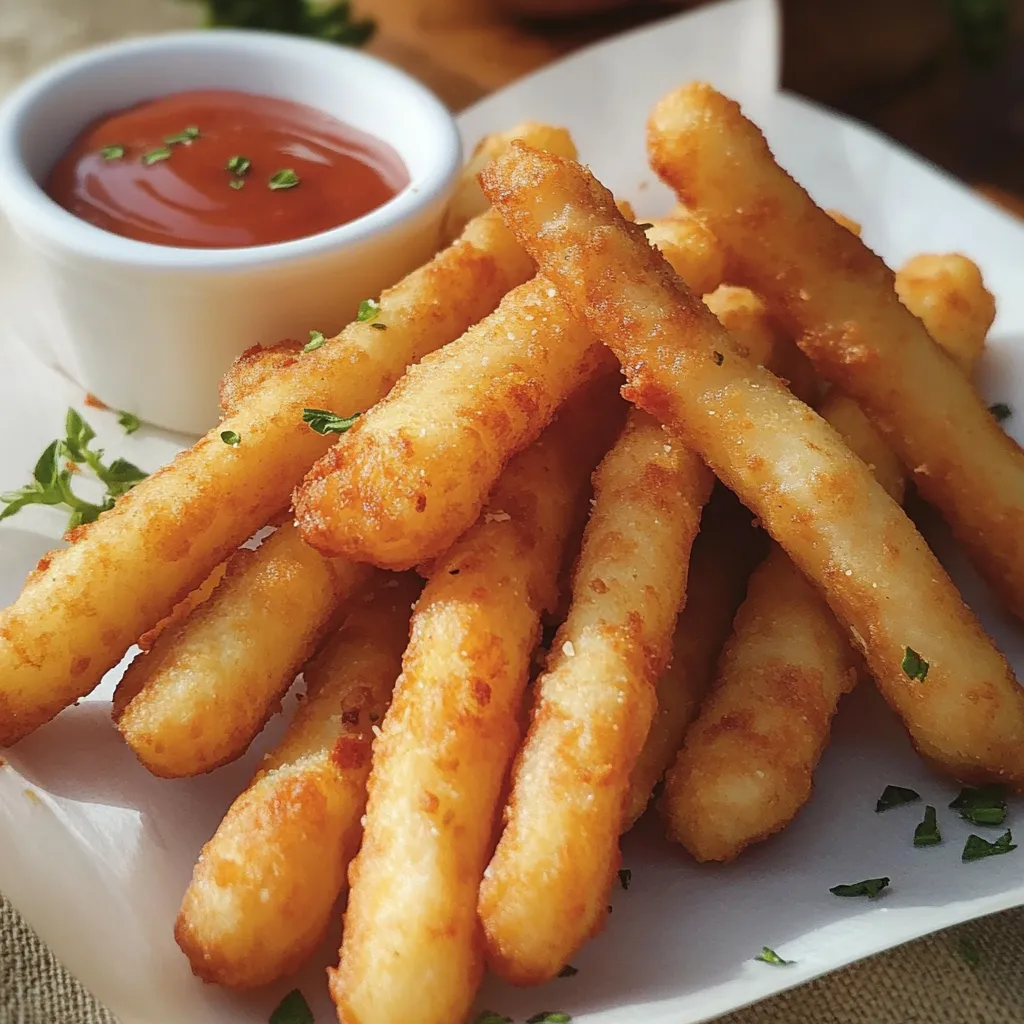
x,y
265,886
468,201
83,607
252,369
203,692
816,498
411,951
838,299
690,249
545,891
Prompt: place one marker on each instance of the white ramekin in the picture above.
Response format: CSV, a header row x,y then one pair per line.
x,y
149,328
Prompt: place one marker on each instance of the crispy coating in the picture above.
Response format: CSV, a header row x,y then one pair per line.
x,y
468,201
412,475
838,299
690,249
252,369
724,553
203,692
411,951
83,607
545,891
181,611
264,888
949,296
786,464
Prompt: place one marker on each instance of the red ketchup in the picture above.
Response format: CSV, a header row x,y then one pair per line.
x,y
217,169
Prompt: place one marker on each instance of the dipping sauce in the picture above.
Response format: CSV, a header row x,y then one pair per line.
x,y
221,169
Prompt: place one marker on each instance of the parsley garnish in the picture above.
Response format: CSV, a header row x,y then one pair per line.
x,y
982,805
490,1017
895,796
112,152
285,178
549,1017
718,358
870,887
293,1009
236,183
379,327
927,832
325,422
238,165
913,665
316,340
229,437
769,956
182,138
970,952
1001,411
129,421
154,156
976,848
625,877
368,310
568,971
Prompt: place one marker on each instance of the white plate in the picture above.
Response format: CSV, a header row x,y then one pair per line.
x,y
98,856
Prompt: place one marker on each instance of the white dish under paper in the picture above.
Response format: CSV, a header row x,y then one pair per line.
x,y
96,853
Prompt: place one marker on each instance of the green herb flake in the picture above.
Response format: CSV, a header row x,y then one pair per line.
x,y
970,952
236,183
625,877
112,152
549,1017
769,956
368,310
1001,411
977,848
285,178
293,1009
568,971
128,422
895,796
982,805
913,665
316,340
490,1017
379,327
229,437
325,422
154,156
870,887
238,165
927,832
182,138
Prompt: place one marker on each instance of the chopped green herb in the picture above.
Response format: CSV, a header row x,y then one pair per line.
x,y
154,156
129,421
895,796
236,183
333,22
368,310
568,971
913,665
182,138
1001,411
549,1017
970,952
982,805
490,1017
976,848
229,437
112,152
379,327
238,165
293,1009
870,887
285,178
325,422
625,877
927,832
316,340
718,358
769,956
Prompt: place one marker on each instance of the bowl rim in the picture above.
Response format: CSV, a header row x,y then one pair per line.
x,y
26,203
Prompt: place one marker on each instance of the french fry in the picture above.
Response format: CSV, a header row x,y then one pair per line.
x,y
545,891
203,692
265,886
468,201
411,949
252,369
83,607
786,464
690,249
183,609
839,301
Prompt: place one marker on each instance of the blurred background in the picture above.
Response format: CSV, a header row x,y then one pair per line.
x,y
945,77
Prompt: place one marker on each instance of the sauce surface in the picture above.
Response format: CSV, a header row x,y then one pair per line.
x,y
221,169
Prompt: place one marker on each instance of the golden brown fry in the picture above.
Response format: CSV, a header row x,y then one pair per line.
x,y
847,222
545,891
265,885
411,949
252,369
839,301
725,551
207,687
690,249
948,295
412,475
181,611
783,461
83,607
468,201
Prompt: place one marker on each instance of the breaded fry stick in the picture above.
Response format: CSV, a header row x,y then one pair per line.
x,y
209,684
252,369
690,249
545,891
82,608
182,610
725,551
265,886
468,201
839,301
786,464
411,950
